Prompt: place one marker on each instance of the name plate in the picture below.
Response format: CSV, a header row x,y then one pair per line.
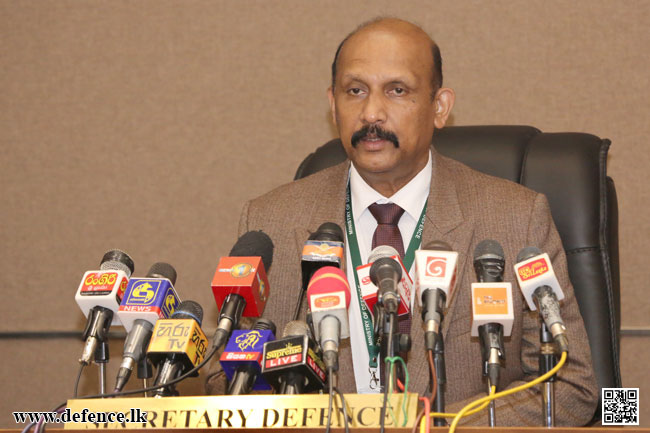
x,y
248,411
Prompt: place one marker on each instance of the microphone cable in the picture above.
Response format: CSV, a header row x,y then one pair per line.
x,y
427,402
333,390
465,411
134,391
40,422
387,374
392,362
76,383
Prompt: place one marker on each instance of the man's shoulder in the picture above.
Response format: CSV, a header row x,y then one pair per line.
x,y
473,184
307,188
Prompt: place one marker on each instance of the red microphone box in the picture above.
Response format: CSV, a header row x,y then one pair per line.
x,y
244,276
369,290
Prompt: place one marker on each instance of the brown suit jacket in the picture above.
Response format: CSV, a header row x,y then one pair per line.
x,y
464,208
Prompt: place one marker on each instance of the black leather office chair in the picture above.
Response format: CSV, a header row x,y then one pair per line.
x,y
570,169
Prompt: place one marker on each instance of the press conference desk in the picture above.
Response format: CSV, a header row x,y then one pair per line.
x,y
257,413
629,429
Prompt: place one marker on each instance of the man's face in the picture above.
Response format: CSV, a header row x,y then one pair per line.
x,y
382,103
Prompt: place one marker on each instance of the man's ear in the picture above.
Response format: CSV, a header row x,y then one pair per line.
x,y
444,102
330,96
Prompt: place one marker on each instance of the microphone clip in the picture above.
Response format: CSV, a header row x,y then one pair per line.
x,y
492,346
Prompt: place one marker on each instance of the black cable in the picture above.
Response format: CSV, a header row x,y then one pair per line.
x,y
330,373
345,410
387,378
137,391
296,313
76,383
153,388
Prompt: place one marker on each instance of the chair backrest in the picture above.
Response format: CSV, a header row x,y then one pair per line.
x,y
570,169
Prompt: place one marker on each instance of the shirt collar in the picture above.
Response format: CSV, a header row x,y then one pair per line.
x,y
411,197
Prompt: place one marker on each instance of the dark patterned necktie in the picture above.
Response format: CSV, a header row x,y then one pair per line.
x,y
387,233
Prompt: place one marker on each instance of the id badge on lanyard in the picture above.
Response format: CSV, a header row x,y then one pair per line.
x,y
355,258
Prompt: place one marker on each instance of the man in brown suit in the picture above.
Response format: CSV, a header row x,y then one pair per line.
x,y
387,99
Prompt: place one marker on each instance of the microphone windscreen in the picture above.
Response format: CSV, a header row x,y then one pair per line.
x,y
254,244
189,310
489,249
328,279
162,270
264,324
382,251
328,232
528,253
296,328
117,260
437,246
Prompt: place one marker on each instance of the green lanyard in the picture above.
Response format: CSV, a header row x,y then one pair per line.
x,y
355,257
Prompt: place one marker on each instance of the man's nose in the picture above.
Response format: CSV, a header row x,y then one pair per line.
x,y
374,109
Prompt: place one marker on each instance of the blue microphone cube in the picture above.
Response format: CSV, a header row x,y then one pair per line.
x,y
246,347
149,299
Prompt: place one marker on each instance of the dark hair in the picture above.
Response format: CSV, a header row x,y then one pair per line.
x,y
436,78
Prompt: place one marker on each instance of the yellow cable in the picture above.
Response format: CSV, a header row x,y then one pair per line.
x,y
489,398
493,389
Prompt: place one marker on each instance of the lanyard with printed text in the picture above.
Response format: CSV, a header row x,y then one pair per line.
x,y
355,257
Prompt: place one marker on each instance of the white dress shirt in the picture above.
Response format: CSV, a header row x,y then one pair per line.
x,y
411,198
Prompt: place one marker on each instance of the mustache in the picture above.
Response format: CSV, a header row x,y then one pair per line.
x,y
374,131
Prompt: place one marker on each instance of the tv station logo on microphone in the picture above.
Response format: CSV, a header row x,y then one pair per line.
x,y
150,295
290,353
246,348
101,283
533,269
316,251
247,340
327,301
241,270
436,267
143,292
182,337
491,300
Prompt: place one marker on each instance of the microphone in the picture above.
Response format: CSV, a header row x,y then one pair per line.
x,y
385,273
369,289
542,291
329,299
99,296
489,261
492,306
291,364
145,301
178,344
323,248
436,267
435,278
242,358
240,285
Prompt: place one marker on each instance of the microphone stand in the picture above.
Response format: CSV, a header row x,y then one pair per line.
x,y
101,359
145,371
547,360
386,350
441,378
492,351
387,347
432,314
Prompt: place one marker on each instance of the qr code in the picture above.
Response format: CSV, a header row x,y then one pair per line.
x,y
620,406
